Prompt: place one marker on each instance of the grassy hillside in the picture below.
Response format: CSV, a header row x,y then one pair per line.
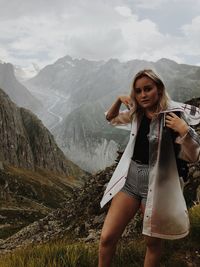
x,y
26,196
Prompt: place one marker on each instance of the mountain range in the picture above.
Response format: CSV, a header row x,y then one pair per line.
x,y
70,96
77,92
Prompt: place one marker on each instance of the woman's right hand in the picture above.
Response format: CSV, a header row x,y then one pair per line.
x,y
126,100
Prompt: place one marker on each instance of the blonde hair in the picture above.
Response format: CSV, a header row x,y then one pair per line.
x,y
163,95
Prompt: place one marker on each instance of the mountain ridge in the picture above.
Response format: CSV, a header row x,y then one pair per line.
x,y
16,91
98,83
26,143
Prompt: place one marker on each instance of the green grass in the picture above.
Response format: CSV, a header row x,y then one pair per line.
x,y
64,253
60,254
70,255
54,255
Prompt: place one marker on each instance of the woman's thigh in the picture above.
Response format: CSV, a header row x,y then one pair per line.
x,y
123,208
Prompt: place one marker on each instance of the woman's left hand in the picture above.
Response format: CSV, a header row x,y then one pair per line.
x,y
175,123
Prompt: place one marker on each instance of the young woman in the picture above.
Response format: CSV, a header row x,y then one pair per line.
x,y
146,177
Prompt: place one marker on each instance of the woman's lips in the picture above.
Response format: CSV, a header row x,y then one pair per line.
x,y
144,101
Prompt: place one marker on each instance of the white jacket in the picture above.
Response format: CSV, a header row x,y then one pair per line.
x,y
166,214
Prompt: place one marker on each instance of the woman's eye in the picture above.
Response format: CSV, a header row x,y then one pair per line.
x,y
147,89
138,91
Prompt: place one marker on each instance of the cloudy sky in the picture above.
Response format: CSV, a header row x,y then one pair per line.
x,y
41,31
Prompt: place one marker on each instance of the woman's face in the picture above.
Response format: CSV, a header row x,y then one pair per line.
x,y
146,93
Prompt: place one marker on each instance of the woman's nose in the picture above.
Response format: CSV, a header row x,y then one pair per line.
x,y
143,93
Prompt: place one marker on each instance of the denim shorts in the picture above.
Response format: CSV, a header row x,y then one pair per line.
x,y
137,181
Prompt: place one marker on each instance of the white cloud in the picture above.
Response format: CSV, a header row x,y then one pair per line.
x,y
84,32
153,4
91,29
192,36
157,4
124,11
3,54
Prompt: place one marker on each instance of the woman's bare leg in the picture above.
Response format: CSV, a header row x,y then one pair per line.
x,y
154,248
123,208
153,252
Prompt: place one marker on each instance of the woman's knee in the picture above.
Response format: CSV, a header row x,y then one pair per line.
x,y
108,239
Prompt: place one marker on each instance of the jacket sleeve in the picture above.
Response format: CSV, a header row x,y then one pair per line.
x,y
190,146
122,120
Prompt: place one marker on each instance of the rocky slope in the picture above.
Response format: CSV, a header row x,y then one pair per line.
x,y
16,91
81,216
81,207
27,196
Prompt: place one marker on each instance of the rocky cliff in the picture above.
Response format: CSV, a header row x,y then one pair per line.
x,y
26,143
35,176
